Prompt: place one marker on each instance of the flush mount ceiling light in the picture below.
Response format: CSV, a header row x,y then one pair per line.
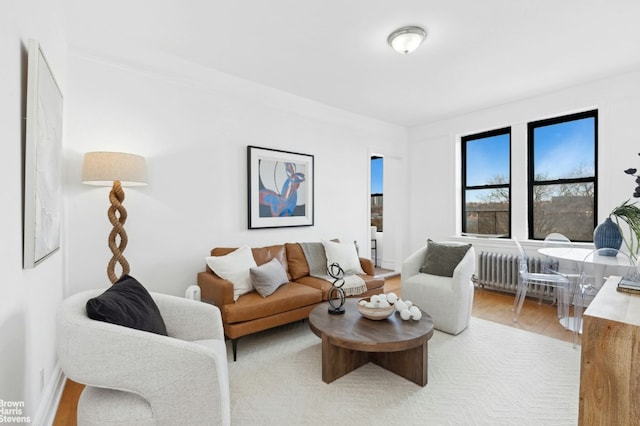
x,y
406,39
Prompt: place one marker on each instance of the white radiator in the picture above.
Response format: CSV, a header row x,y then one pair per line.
x,y
499,271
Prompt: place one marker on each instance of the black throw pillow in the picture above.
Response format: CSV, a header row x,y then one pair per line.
x,y
129,304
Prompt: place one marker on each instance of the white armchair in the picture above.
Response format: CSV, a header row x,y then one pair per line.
x,y
448,300
142,378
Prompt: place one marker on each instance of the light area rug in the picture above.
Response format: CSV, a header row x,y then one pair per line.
x,y
490,374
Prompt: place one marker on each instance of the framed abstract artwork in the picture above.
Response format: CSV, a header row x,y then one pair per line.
x,y
280,188
42,161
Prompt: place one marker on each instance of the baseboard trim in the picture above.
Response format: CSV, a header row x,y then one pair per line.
x,y
48,407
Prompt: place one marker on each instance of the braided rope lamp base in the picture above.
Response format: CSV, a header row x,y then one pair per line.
x,y
117,216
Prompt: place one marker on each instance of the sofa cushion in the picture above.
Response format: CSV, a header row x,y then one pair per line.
x,y
289,297
442,258
234,267
129,304
343,254
267,277
298,266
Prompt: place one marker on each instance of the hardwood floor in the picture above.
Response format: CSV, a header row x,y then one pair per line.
x,y
489,305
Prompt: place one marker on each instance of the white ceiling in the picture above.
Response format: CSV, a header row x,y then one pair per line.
x,y
478,53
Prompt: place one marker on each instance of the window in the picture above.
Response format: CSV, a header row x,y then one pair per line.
x,y
376,192
486,183
562,176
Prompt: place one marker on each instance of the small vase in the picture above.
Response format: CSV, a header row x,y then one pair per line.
x,y
607,235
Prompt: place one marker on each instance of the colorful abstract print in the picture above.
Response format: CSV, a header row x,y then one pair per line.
x,y
280,188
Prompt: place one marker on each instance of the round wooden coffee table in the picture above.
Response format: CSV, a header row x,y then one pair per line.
x,y
351,340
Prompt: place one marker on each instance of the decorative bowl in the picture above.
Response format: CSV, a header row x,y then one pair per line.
x,y
374,313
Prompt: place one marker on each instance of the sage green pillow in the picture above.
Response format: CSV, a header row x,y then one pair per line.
x,y
442,259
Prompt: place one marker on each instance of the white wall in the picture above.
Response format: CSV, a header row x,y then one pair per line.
x,y
28,298
434,155
193,126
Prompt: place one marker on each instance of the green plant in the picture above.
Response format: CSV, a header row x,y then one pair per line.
x,y
629,213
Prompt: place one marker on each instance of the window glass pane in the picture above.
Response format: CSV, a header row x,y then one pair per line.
x,y
565,208
377,167
488,160
487,211
376,175
565,150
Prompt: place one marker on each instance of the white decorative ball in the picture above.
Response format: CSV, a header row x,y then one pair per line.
x,y
362,302
383,304
405,314
400,305
392,297
414,309
409,303
416,315
375,298
370,305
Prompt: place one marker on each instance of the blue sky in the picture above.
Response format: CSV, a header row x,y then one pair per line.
x,y
376,176
559,150
561,147
487,158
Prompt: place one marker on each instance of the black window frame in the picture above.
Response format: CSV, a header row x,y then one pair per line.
x,y
465,187
531,182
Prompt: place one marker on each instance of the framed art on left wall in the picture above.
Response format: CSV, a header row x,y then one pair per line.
x,y
280,188
42,161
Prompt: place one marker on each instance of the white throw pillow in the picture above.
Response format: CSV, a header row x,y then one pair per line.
x,y
343,254
235,267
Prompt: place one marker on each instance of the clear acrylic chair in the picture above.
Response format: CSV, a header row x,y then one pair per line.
x,y
556,241
561,244
542,279
594,270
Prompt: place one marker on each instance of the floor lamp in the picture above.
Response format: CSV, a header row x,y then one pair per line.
x,y
115,169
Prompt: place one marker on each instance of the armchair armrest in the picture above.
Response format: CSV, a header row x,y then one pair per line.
x,y
214,289
464,271
412,264
189,319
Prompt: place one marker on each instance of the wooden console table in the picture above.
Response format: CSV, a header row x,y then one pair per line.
x,y
610,366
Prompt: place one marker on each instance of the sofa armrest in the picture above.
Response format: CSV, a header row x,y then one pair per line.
x,y
189,319
214,289
367,266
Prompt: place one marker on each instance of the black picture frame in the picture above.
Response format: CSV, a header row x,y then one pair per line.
x,y
280,188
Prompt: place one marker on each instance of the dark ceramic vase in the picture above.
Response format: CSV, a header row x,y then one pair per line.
x,y
607,235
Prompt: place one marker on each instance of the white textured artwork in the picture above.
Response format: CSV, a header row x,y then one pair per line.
x,y
42,185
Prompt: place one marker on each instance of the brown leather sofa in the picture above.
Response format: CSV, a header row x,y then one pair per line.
x,y
291,302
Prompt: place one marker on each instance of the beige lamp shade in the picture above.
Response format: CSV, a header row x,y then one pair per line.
x,y
103,168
